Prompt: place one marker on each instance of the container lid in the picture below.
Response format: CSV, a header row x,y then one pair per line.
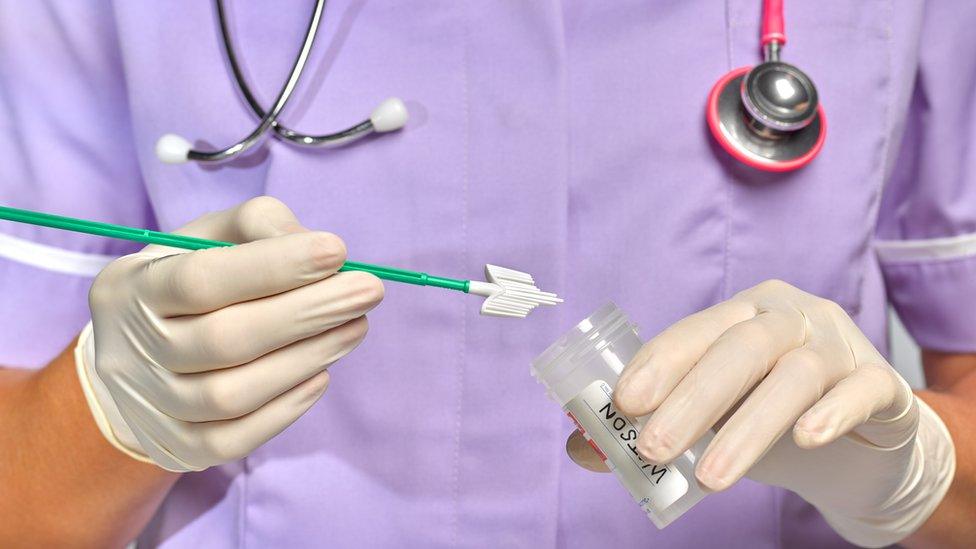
x,y
591,335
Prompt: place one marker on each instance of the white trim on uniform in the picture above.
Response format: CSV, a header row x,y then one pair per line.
x,y
903,251
51,258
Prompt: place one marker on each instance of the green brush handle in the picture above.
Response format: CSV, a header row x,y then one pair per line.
x,y
190,243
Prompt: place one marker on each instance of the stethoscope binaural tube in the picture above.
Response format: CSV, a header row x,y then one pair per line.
x,y
769,116
390,115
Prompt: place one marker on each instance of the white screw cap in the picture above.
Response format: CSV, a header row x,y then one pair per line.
x,y
173,149
390,115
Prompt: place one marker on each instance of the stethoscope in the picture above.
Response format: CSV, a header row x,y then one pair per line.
x,y
768,116
390,115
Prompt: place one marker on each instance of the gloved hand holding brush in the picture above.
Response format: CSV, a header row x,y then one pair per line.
x,y
196,359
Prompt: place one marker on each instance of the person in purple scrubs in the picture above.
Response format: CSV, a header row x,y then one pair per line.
x,y
565,139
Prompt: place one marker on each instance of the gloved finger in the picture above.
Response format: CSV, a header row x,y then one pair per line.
x,y
179,444
222,441
255,219
233,392
732,366
583,454
872,390
664,360
240,333
207,280
795,383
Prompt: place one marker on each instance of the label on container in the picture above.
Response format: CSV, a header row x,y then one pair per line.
x,y
614,437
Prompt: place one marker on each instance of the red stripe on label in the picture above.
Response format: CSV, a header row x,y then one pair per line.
x,y
597,449
578,426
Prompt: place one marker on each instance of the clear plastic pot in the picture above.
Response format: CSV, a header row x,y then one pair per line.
x,y
579,372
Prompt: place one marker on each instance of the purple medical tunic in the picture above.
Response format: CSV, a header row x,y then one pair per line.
x,y
567,139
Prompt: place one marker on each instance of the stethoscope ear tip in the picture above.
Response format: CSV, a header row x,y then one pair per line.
x,y
173,149
388,116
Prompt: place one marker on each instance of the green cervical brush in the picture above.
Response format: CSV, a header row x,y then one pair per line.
x,y
510,293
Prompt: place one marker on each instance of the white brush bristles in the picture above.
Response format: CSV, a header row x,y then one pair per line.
x,y
510,293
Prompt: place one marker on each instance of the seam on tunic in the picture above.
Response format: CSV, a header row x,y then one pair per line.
x,y
728,35
52,258
561,272
726,259
242,507
925,249
466,170
885,151
778,513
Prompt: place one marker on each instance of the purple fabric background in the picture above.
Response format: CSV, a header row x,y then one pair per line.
x,y
563,138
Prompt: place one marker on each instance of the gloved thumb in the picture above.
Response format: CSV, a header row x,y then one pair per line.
x,y
257,219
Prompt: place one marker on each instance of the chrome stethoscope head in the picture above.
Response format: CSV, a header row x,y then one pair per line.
x,y
768,116
778,96
390,115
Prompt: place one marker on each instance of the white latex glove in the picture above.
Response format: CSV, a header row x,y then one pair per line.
x,y
873,458
197,358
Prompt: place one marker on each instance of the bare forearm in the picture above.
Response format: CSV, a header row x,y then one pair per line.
x,y
952,379
62,483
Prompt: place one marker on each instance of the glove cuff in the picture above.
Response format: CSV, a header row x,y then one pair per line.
x,y
925,482
100,402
